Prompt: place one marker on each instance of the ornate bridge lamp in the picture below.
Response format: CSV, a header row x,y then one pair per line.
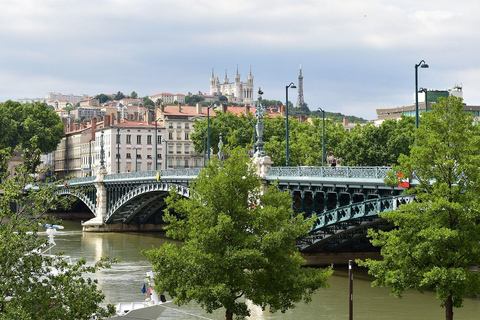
x,y
423,65
208,129
291,85
259,112
323,136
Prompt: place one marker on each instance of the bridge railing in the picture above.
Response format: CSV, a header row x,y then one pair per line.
x,y
329,172
81,180
153,174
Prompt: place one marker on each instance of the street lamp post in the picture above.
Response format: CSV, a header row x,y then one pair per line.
x,y
291,85
165,141
208,130
156,144
426,97
135,148
421,64
323,136
90,157
118,150
204,150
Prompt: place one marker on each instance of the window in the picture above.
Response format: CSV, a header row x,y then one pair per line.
x,y
187,149
170,136
149,139
170,163
149,166
139,156
170,125
179,135
186,163
187,125
159,139
139,139
129,156
149,156
187,136
170,149
179,125
179,148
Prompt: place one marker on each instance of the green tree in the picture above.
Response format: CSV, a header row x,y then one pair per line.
x,y
148,102
237,243
133,95
223,99
19,123
102,98
69,109
437,237
33,285
193,100
377,146
119,96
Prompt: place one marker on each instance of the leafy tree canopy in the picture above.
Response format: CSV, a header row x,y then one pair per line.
x,y
237,243
28,287
193,100
377,146
102,98
20,123
133,95
148,102
437,237
119,96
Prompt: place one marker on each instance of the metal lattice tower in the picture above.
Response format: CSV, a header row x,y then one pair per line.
x,y
300,100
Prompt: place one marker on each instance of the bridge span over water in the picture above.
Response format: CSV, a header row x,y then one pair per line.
x,y
345,200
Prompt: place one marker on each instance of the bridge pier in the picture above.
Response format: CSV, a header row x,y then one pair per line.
x,y
101,202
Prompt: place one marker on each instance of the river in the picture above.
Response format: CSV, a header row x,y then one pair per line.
x,y
124,280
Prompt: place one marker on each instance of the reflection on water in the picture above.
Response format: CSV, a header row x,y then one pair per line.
x,y
124,280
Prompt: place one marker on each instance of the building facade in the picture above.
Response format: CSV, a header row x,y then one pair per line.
x,y
237,92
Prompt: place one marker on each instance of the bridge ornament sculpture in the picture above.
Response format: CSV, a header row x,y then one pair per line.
x,y
345,200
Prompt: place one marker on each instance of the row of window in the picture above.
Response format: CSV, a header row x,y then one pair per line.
x,y
178,147
179,135
139,139
171,125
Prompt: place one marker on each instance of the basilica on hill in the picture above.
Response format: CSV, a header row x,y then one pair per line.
x,y
237,92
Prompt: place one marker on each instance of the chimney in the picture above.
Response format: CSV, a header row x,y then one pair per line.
x,y
345,121
94,126
282,111
149,118
135,116
199,108
224,107
180,108
162,108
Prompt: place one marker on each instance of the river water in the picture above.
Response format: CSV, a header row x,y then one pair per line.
x,y
124,280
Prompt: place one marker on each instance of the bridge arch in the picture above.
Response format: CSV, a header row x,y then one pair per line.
x,y
82,196
143,198
341,226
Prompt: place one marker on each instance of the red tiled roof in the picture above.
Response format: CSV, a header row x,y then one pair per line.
x,y
192,111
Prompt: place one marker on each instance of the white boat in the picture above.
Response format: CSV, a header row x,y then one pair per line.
x,y
150,309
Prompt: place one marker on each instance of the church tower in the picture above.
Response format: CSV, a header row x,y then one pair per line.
x,y
212,83
300,100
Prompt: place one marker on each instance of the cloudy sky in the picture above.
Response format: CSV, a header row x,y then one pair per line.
x,y
356,55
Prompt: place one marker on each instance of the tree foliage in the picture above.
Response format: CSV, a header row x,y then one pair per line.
x,y
377,146
33,285
119,96
102,98
237,243
305,138
148,102
20,123
437,237
133,95
193,100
